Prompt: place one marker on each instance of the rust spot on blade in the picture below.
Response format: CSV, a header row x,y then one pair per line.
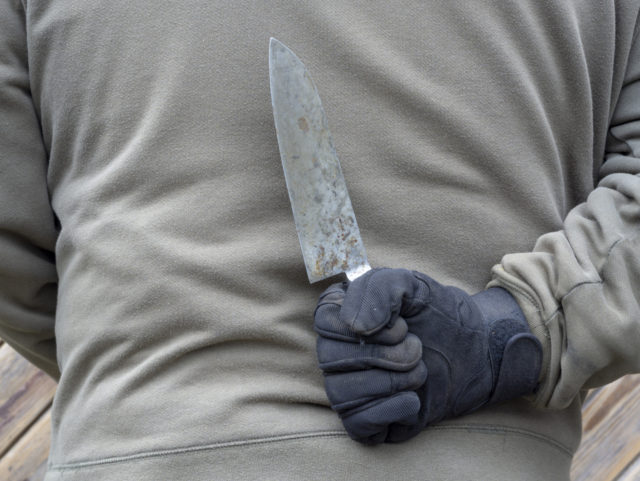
x,y
303,124
320,262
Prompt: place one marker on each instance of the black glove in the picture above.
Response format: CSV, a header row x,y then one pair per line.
x,y
400,351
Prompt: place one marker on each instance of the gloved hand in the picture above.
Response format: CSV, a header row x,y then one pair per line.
x,y
400,351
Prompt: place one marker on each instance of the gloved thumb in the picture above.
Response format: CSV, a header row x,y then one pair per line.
x,y
377,298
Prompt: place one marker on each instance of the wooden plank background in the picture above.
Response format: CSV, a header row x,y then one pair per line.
x,y
610,449
26,394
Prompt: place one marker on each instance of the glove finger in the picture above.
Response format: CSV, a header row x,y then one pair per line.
x,y
370,423
347,391
380,296
390,334
349,356
327,321
334,294
400,432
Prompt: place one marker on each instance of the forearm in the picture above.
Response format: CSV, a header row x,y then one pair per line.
x,y
28,279
578,288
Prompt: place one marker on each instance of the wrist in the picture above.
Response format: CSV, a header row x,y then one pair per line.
x,y
515,354
497,303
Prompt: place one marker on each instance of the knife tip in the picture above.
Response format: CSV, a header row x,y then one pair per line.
x,y
274,42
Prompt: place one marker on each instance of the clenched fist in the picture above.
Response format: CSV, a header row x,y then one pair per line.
x,y
400,351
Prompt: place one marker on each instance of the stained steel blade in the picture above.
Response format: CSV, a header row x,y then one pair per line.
x,y
322,210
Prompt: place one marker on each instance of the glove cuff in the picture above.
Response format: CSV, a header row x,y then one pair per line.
x,y
516,354
497,304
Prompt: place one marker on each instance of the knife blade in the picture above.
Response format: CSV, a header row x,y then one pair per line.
x,y
322,210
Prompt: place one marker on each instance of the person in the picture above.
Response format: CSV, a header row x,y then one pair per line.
x,y
149,259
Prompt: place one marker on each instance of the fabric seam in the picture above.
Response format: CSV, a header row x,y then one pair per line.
x,y
621,240
486,429
194,449
489,429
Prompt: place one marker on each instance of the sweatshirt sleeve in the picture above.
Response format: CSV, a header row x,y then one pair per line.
x,y
580,287
28,279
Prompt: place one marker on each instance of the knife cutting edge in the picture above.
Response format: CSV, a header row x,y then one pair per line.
x,y
322,210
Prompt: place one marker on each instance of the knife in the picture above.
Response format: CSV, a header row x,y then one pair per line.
x,y
322,210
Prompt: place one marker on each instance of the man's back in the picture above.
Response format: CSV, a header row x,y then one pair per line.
x,y
184,333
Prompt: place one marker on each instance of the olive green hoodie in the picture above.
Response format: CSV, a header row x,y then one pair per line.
x,y
149,259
